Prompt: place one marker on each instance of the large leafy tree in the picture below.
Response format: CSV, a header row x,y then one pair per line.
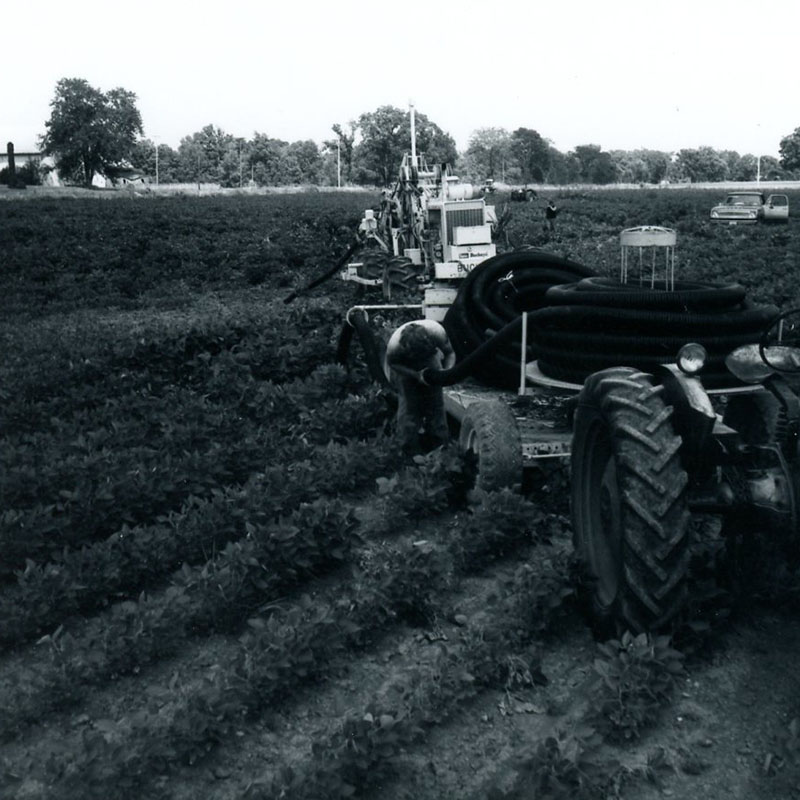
x,y
487,152
309,162
267,161
596,165
232,166
201,154
702,164
640,166
789,149
143,157
386,136
563,168
774,170
90,130
531,153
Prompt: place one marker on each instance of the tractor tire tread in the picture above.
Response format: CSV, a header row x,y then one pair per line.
x,y
499,449
652,486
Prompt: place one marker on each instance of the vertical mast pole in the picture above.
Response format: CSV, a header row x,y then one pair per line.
x,y
413,136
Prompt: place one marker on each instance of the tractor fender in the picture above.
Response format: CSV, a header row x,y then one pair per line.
x,y
693,417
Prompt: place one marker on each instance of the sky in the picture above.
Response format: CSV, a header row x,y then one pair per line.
x,y
620,74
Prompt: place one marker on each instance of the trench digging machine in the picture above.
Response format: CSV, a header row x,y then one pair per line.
x,y
668,398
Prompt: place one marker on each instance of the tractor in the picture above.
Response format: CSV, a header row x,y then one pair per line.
x,y
668,398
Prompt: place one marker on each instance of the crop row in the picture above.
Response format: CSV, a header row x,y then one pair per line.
x,y
289,647
84,579
256,358
66,254
362,752
216,594
86,488
53,377
633,679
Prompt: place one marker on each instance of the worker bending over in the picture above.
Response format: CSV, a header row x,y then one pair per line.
x,y
412,348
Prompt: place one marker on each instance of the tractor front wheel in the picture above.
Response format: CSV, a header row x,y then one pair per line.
x,y
629,510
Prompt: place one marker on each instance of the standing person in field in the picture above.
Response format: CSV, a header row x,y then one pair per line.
x,y
550,214
413,347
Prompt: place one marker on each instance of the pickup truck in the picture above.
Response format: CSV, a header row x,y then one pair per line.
x,y
748,208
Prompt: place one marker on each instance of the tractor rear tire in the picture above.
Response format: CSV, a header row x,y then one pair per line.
x,y
373,264
489,432
629,509
400,277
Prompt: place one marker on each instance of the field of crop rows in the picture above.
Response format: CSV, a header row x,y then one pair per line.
x,y
219,579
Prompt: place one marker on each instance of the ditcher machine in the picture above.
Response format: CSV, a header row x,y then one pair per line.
x,y
668,398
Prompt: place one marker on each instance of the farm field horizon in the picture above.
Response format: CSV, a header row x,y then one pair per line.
x,y
220,579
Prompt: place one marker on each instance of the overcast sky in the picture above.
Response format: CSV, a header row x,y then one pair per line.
x,y
616,73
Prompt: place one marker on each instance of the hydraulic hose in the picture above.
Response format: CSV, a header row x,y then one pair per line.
x,y
472,363
326,275
357,323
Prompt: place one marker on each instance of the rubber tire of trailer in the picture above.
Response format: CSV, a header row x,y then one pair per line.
x,y
490,433
629,507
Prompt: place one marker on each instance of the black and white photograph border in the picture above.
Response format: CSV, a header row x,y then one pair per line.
x,y
399,401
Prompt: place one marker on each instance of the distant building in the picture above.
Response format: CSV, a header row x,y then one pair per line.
x,y
23,157
124,175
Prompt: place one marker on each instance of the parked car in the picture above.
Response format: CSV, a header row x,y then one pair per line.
x,y
748,208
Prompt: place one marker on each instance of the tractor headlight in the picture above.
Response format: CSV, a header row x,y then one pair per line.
x,y
714,214
692,358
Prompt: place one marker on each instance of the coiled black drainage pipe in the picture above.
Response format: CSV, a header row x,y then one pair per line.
x,y
597,323
493,296
578,323
483,323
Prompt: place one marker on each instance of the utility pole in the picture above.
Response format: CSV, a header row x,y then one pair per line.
x,y
339,162
413,134
155,146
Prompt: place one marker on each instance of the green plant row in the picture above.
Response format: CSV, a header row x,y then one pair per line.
x,y
361,753
279,654
128,488
218,593
191,362
92,491
68,254
51,373
290,647
633,678
215,596
568,765
81,580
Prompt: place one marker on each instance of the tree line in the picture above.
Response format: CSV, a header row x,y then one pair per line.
x,y
90,132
